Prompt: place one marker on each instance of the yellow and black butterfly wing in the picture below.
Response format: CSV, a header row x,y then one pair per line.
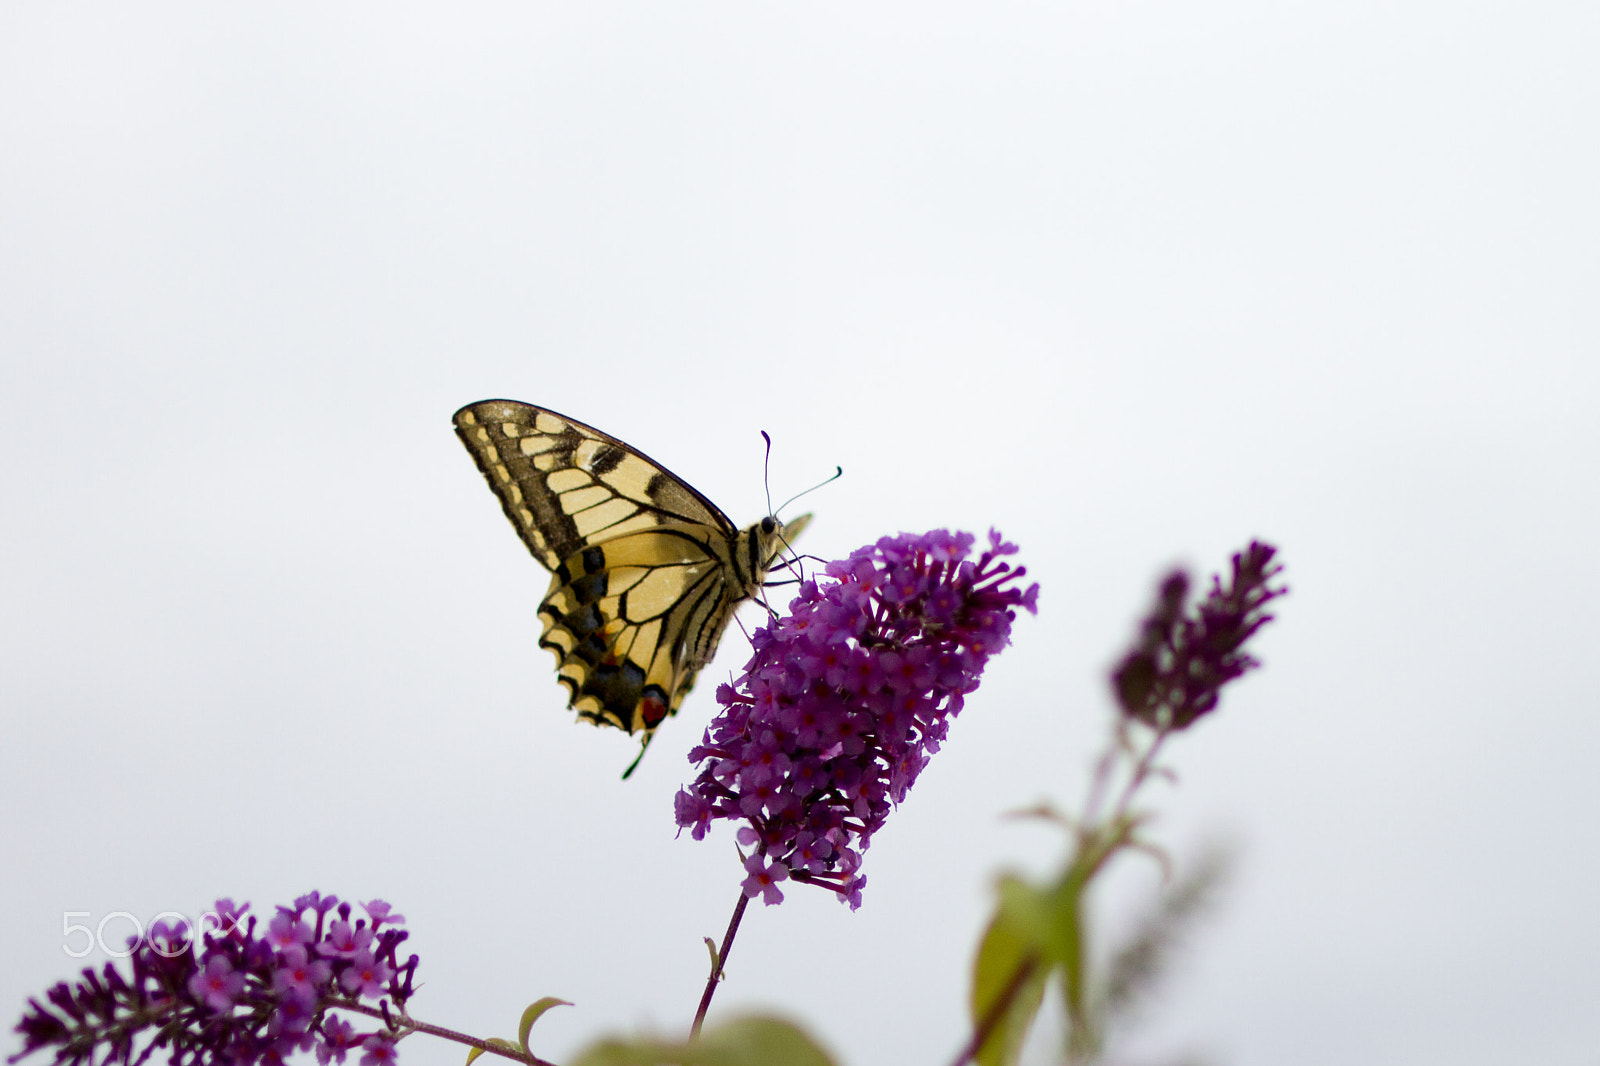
x,y
633,619
566,486
647,572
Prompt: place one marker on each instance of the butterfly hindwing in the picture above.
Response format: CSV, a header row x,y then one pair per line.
x,y
632,619
646,572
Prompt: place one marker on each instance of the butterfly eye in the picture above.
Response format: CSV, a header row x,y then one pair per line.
x,y
768,524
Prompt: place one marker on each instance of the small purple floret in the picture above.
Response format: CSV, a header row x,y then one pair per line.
x,y
381,912
217,985
286,931
299,977
377,1050
338,1037
366,975
344,940
764,878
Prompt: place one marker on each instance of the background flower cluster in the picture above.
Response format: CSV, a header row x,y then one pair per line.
x,y
241,996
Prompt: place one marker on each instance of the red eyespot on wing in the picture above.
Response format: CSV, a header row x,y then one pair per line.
x,y
652,710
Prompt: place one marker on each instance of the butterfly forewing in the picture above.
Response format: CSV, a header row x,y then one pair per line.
x,y
646,571
566,486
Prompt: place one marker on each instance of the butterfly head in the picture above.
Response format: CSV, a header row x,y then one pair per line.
x,y
761,544
784,533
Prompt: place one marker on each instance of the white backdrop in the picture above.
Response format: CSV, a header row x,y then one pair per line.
x,y
1132,282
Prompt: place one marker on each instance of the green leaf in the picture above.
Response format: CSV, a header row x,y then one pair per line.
x,y
503,1045
711,946
1006,950
752,1041
474,1053
1029,914
1067,945
532,1014
761,1041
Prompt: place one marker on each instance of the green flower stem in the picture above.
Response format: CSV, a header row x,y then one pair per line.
x,y
1098,842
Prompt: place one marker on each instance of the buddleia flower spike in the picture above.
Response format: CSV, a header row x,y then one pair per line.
x,y
845,700
242,992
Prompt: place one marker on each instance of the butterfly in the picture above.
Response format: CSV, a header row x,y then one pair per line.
x,y
646,572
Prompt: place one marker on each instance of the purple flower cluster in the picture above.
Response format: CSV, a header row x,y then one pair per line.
x,y
1176,669
843,702
243,996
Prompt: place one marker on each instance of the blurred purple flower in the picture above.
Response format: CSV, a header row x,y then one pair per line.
x,y
1175,670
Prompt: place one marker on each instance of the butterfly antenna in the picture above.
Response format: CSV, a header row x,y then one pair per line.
x,y
766,471
838,472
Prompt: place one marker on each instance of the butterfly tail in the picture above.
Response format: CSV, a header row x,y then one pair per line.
x,y
634,765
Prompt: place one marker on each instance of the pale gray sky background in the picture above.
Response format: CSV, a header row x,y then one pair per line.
x,y
1133,282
